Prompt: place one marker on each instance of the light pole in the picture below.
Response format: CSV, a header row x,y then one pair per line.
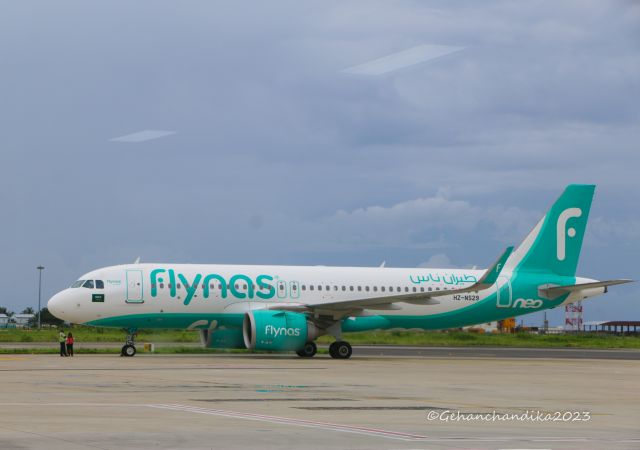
x,y
40,269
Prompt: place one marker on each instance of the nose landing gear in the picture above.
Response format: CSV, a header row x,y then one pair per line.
x,y
129,348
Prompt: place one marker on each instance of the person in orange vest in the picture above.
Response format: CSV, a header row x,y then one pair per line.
x,y
70,344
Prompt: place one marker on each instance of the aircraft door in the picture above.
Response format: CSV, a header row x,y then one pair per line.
x,y
282,289
503,285
294,289
134,286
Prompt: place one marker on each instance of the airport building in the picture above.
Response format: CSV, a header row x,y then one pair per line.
x,y
22,320
613,326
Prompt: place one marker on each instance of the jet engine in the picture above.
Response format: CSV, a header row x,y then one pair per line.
x,y
278,330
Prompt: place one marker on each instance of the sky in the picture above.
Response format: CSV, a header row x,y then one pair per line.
x,y
271,148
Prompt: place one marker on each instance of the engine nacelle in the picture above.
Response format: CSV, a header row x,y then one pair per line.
x,y
222,338
277,330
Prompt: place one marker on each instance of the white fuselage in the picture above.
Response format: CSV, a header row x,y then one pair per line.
x,y
135,289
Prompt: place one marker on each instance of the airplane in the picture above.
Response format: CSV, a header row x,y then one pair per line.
x,y
286,308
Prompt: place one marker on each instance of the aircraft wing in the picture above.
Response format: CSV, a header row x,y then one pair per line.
x,y
340,308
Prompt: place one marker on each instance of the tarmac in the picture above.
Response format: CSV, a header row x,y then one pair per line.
x,y
282,401
397,350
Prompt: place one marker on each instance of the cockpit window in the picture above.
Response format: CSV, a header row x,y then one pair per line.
x,y
99,284
77,284
88,284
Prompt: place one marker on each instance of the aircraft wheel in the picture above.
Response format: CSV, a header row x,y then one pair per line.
x,y
308,351
128,350
340,350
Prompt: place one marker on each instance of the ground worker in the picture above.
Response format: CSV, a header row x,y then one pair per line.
x,y
62,338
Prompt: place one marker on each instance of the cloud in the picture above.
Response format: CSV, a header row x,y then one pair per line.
x,y
438,260
282,158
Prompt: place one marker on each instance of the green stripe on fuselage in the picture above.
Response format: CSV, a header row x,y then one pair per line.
x,y
524,286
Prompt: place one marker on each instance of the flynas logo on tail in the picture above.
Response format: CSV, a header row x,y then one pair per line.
x,y
262,286
562,232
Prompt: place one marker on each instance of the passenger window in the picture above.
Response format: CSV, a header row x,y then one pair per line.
x,y
366,288
421,289
414,289
88,284
304,287
311,287
351,288
99,284
406,289
344,288
178,285
382,288
335,288
375,289
327,288
161,285
398,289
319,287
359,288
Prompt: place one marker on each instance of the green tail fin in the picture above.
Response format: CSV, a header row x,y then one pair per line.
x,y
555,242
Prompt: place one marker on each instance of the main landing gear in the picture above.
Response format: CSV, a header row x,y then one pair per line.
x,y
340,350
308,351
337,350
129,348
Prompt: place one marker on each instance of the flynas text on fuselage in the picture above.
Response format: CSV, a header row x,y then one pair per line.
x,y
262,288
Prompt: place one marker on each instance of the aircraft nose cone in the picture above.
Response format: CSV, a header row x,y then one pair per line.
x,y
55,305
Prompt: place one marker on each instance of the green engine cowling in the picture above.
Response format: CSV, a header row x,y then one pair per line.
x,y
277,330
222,338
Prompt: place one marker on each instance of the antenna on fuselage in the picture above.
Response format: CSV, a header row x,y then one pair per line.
x,y
137,261
383,264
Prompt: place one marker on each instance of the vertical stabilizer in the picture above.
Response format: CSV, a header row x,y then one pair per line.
x,y
555,242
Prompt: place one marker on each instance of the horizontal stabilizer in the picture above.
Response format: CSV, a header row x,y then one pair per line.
x,y
551,291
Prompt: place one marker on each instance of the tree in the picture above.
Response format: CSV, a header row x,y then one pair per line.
x,y
4,310
28,310
48,318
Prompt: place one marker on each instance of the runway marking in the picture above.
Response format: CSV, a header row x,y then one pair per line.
x,y
12,358
291,421
344,428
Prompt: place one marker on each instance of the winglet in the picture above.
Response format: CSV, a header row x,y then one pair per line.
x,y
491,275
487,280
